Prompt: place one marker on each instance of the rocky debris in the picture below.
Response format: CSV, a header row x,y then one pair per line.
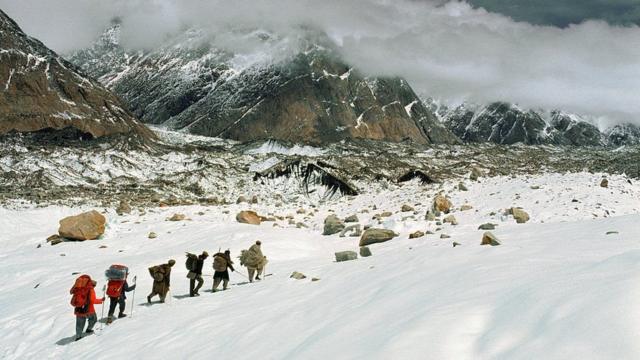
x,y
123,208
353,230
416,174
608,233
45,94
351,219
55,239
416,234
254,199
241,199
177,217
604,183
451,220
487,226
407,208
346,256
489,239
466,207
297,275
430,216
332,225
365,251
248,217
462,187
456,244
152,235
301,211
301,225
373,236
444,236
520,215
314,279
86,226
476,173
442,204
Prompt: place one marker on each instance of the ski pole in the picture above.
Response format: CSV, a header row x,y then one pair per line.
x,y
133,297
104,290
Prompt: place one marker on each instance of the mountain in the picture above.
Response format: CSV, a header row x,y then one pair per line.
x,y
40,91
310,96
504,123
623,135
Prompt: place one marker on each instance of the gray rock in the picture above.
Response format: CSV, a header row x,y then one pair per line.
x,y
351,219
489,239
451,220
429,216
353,229
462,187
520,215
373,236
332,225
415,235
297,275
152,235
444,236
346,256
487,226
604,183
365,251
407,208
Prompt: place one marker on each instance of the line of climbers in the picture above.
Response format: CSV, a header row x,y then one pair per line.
x,y
84,297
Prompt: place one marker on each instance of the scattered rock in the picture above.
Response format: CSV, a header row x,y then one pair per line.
x,y
55,239
487,226
444,236
612,232
351,219
456,244
451,220
86,226
152,235
346,256
417,234
429,216
466,207
365,251
354,229
407,208
297,275
604,183
301,225
374,236
332,225
177,217
386,214
489,239
300,211
441,203
535,187
241,199
429,232
102,247
520,215
315,279
248,217
462,187
254,199
475,174
123,208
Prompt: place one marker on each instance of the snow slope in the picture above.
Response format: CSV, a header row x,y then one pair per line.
x,y
558,287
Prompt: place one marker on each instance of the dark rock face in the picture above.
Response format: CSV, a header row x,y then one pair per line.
x,y
40,91
310,97
623,135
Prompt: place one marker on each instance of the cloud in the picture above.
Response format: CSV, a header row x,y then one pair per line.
x,y
450,51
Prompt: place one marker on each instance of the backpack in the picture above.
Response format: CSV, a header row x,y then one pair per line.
x,y
156,273
80,293
116,272
219,263
191,262
114,288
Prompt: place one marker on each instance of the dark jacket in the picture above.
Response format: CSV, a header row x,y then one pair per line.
x,y
199,264
126,288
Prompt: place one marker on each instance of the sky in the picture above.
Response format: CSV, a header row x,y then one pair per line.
x,y
581,57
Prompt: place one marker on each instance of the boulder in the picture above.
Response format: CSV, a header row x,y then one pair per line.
x,y
451,220
332,225
415,235
489,239
365,251
604,183
248,217
123,208
475,174
346,256
354,230
487,226
407,208
177,217
520,215
442,204
152,235
86,226
297,275
374,236
462,187
351,219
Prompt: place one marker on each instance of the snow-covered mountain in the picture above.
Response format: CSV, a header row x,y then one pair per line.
x,y
504,123
42,91
308,96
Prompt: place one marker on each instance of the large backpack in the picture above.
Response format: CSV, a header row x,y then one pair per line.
x,y
114,288
219,263
80,293
191,262
116,272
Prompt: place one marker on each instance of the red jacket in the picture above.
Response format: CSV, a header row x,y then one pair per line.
x,y
92,301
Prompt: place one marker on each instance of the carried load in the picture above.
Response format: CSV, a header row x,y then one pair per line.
x,y
252,259
157,273
80,292
117,275
220,262
191,261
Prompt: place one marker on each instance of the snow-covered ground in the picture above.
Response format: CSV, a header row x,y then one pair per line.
x,y
559,286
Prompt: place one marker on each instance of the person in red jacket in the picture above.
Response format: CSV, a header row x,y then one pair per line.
x,y
90,314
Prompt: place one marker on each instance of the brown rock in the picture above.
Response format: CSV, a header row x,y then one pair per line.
x,y
248,217
489,239
177,217
406,208
415,235
442,204
604,183
520,215
123,208
466,207
86,226
373,236
55,239
451,220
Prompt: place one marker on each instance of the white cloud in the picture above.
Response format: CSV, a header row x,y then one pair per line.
x,y
453,51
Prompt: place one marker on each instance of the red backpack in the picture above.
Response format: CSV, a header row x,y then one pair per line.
x,y
114,288
80,293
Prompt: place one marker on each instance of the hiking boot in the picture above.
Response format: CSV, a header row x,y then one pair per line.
x,y
89,331
258,278
109,320
148,299
122,315
78,338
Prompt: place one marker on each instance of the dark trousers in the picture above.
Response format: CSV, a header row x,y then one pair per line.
x,y
116,301
82,320
193,289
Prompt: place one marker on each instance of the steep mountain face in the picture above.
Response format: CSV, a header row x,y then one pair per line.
x,y
504,123
40,91
623,135
311,97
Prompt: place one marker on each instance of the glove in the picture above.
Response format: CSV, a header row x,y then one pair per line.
x,y
103,298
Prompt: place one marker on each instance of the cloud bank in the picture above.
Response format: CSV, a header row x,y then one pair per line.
x,y
450,51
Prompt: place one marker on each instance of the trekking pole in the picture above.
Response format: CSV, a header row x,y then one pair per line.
x,y
104,291
133,297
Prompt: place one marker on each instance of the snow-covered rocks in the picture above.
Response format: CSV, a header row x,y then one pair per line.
x,y
86,226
